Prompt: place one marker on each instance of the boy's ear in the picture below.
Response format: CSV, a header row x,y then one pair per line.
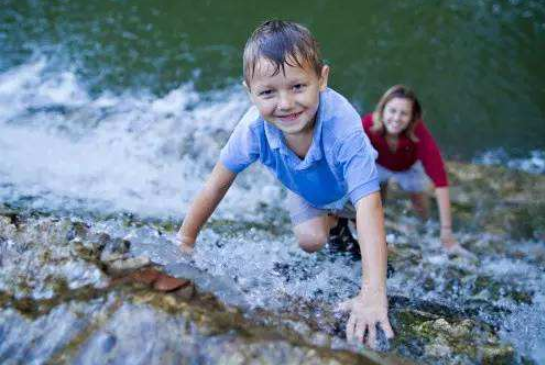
x,y
324,75
246,87
248,90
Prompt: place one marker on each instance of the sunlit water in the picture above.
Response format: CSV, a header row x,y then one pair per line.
x,y
63,149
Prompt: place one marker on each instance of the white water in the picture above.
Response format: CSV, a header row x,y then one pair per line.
x,y
63,148
67,149
533,163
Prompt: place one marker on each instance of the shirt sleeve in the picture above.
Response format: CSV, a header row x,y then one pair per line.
x,y
356,159
430,156
242,148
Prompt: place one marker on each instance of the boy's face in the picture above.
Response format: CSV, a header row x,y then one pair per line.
x,y
287,100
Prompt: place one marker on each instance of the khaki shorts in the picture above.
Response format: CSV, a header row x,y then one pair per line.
x,y
413,180
301,211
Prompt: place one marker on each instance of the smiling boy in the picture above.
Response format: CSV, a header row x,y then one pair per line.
x,y
310,138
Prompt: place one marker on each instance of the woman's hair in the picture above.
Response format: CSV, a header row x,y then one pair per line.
x,y
403,92
281,42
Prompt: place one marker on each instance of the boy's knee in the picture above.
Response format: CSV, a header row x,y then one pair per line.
x,y
312,242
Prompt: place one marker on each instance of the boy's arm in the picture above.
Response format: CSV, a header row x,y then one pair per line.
x,y
370,307
203,206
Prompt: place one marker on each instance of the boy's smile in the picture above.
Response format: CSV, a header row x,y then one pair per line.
x,y
289,100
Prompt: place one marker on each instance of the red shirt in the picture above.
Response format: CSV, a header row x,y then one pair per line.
x,y
408,152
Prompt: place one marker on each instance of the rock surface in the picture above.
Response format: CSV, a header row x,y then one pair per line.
x,y
73,291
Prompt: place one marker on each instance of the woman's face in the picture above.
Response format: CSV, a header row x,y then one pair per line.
x,y
397,115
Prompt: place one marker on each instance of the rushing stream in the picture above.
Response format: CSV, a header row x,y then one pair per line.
x,y
127,166
110,123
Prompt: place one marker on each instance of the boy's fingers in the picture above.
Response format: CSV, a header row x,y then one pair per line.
x,y
350,329
360,330
387,328
187,250
186,243
372,336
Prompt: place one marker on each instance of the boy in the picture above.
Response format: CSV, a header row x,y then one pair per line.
x,y
310,137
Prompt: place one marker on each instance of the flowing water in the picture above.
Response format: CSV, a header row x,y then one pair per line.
x,y
119,109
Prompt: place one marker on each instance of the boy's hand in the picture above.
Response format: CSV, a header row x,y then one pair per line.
x,y
187,244
366,311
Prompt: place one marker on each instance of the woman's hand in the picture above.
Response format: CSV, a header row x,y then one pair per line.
x,y
447,238
452,247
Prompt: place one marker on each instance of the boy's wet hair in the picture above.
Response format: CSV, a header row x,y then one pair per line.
x,y
403,92
281,42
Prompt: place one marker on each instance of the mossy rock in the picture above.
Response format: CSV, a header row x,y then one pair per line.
x,y
434,339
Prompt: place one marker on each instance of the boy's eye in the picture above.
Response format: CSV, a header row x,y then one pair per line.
x,y
265,93
298,87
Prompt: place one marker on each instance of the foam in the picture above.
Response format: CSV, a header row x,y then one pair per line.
x,y
132,152
533,162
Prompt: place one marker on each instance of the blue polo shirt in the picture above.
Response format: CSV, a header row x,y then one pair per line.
x,y
340,163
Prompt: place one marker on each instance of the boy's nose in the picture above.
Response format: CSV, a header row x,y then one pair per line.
x,y
285,102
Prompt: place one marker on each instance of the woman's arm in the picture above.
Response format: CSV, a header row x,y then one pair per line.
x,y
447,238
203,206
445,217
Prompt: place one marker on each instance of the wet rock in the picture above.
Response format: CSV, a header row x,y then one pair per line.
x,y
167,283
7,228
71,292
436,338
514,201
154,279
486,287
113,254
122,265
79,231
145,276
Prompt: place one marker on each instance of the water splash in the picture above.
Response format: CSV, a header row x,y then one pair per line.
x,y
533,162
63,148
